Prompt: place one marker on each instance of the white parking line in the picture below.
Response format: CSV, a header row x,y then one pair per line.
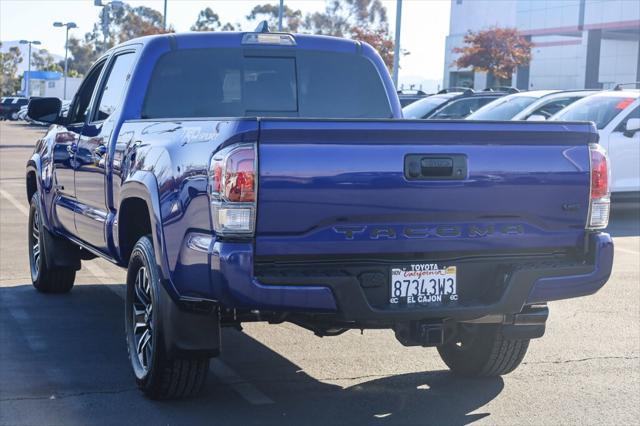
x,y
17,204
241,386
217,367
626,250
221,370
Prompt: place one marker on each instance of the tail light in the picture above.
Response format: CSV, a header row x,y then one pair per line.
x,y
600,202
232,188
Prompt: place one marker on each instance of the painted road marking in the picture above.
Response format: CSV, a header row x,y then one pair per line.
x,y
626,250
229,377
221,370
17,204
237,383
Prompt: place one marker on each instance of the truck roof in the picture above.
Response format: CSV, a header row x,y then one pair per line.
x,y
196,39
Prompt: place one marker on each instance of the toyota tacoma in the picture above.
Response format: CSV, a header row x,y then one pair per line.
x,y
270,177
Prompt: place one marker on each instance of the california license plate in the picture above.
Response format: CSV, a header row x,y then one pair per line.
x,y
423,283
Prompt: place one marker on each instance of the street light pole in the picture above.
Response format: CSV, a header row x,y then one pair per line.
x,y
27,81
396,49
164,16
69,26
280,13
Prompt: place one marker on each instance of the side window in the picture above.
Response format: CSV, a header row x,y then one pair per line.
x,y
623,124
113,88
552,107
80,106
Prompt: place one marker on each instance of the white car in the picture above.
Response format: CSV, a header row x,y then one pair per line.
x,y
616,114
552,103
507,107
535,105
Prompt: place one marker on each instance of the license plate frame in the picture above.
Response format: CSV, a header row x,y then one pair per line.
x,y
423,284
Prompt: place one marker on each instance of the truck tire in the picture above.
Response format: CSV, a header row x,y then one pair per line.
x,y
157,375
45,277
482,351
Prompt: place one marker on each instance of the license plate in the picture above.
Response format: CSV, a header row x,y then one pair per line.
x,y
422,284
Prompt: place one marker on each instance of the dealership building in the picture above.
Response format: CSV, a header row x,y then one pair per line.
x,y
576,43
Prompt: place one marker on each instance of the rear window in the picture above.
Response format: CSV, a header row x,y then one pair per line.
x,y
239,83
503,109
599,109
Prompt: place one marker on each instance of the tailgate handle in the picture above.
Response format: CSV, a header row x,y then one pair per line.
x,y
435,166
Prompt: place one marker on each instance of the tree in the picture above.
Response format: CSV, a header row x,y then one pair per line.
x,y
116,24
139,21
42,60
497,51
379,40
291,20
83,54
9,82
364,20
340,17
208,20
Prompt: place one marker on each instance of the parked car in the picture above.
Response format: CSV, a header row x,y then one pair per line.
x,y
616,114
407,97
505,108
425,106
548,105
460,106
11,105
534,105
452,234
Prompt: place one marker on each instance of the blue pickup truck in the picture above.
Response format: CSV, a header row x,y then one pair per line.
x,y
270,177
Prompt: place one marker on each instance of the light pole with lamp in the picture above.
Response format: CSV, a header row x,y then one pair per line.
x,y
69,26
27,85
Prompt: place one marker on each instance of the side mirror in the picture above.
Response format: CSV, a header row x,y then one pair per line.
x,y
537,117
633,125
45,110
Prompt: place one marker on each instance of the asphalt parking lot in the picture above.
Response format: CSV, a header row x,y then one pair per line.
x,y
63,359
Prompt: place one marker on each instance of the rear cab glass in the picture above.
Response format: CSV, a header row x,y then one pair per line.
x,y
236,82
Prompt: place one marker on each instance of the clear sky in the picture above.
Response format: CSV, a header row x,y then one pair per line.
x,y
424,26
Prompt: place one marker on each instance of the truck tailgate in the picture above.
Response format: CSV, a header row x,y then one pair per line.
x,y
385,187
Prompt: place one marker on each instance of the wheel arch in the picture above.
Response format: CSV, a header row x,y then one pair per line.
x,y
34,183
138,213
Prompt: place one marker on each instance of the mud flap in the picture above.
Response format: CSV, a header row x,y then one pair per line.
x,y
190,330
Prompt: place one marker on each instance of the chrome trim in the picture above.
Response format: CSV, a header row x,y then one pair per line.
x,y
200,242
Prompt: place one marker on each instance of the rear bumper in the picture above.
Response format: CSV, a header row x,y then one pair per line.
x,y
236,286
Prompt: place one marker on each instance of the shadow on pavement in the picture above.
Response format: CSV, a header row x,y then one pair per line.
x,y
624,222
63,360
